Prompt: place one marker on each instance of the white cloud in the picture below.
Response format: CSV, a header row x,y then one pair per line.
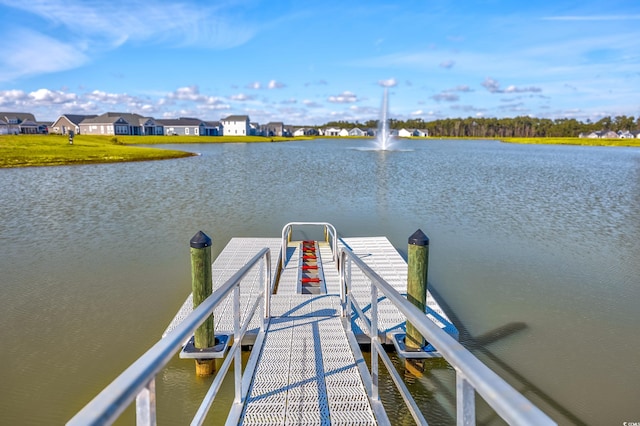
x,y
86,28
256,85
494,87
343,98
13,98
174,23
241,97
273,84
47,96
461,88
29,59
388,83
111,98
192,94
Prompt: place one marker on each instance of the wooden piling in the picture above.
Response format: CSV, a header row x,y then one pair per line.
x,y
202,287
418,264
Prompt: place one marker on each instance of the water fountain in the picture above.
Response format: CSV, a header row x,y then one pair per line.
x,y
383,137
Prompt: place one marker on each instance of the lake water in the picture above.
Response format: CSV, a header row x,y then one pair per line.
x,y
534,249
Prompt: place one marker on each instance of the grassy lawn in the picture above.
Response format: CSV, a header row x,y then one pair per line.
x,y
575,141
55,150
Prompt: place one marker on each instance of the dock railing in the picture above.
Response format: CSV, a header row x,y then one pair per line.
x,y
471,374
138,381
331,236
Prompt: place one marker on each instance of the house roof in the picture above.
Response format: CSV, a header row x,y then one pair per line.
x,y
21,116
112,117
236,118
182,121
76,118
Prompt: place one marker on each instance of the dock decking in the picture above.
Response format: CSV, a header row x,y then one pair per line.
x,y
308,371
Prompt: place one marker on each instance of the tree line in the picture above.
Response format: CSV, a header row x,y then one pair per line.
x,y
523,126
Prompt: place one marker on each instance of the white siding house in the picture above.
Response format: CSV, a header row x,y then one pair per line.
x,y
236,125
404,133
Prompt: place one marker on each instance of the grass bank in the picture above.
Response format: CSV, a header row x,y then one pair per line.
x,y
55,150
575,141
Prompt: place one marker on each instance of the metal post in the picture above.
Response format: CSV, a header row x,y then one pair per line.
x,y
418,256
237,361
373,330
465,401
201,286
146,405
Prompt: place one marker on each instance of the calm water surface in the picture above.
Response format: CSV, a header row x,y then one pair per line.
x,y
534,249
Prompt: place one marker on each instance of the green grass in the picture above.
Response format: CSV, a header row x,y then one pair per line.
x,y
55,150
575,141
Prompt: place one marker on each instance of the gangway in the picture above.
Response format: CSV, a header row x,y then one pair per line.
x,y
305,365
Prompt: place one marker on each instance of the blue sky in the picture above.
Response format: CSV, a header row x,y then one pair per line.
x,y
307,62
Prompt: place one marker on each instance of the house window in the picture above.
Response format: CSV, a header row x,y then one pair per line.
x,y
186,130
195,131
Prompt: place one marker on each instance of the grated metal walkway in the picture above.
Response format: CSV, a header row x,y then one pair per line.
x,y
306,373
309,369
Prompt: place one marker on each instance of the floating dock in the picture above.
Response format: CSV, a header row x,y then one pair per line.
x,y
308,371
319,301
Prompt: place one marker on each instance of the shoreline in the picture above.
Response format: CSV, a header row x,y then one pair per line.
x,y
55,150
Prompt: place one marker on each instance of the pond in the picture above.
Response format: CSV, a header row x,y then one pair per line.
x,y
534,250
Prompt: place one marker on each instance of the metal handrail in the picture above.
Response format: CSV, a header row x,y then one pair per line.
x,y
139,377
471,374
288,229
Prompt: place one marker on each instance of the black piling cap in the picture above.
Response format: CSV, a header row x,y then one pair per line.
x,y
200,240
419,239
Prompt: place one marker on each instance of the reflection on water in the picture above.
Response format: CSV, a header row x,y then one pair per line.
x,y
533,248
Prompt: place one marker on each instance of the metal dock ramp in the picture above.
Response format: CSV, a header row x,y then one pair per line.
x,y
306,373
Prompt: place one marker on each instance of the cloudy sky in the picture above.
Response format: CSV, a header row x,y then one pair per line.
x,y
305,62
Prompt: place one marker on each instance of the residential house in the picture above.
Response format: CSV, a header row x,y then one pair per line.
x,y
212,128
69,122
29,127
183,126
273,129
421,133
150,126
304,131
236,125
625,134
404,133
343,133
357,132
255,129
331,131
4,127
16,120
608,134
117,123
